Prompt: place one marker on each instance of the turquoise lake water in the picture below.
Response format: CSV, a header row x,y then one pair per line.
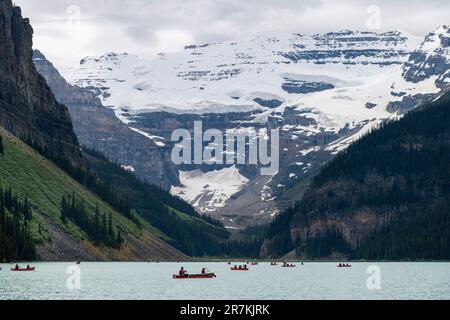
x,y
150,281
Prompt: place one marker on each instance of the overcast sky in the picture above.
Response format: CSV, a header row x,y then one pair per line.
x,y
68,30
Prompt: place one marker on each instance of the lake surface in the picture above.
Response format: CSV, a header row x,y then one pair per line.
x,y
151,281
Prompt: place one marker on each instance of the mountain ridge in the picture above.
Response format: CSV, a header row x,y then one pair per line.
x,y
323,92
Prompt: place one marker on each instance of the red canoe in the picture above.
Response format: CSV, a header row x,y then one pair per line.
x,y
196,276
23,270
237,269
290,266
344,266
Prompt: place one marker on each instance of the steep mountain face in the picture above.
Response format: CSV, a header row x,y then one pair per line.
x,y
386,197
322,92
27,106
432,59
427,68
98,128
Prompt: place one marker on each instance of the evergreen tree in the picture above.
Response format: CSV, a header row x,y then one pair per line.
x,y
110,227
2,150
99,228
16,242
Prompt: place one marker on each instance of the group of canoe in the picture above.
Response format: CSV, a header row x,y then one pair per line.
x,y
17,268
205,274
28,268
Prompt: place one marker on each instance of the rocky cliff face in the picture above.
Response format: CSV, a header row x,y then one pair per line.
x,y
28,108
425,75
432,59
98,128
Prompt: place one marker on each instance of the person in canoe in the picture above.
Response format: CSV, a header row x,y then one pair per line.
x,y
183,272
288,265
16,267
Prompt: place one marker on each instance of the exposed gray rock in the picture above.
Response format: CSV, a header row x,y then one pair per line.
x,y
28,108
62,247
97,127
272,104
432,59
408,103
358,55
304,87
370,105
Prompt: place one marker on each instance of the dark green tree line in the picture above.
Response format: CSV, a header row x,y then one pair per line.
x,y
99,228
16,242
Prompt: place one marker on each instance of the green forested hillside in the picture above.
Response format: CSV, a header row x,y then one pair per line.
x,y
16,241
386,197
30,176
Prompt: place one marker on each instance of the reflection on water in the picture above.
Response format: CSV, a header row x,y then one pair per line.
x,y
154,281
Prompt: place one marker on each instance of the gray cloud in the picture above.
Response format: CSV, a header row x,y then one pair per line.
x,y
149,26
142,33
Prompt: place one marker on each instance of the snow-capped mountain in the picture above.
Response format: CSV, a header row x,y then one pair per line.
x,y
425,73
322,91
431,60
266,71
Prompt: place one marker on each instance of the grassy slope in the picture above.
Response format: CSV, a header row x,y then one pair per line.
x,y
30,174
